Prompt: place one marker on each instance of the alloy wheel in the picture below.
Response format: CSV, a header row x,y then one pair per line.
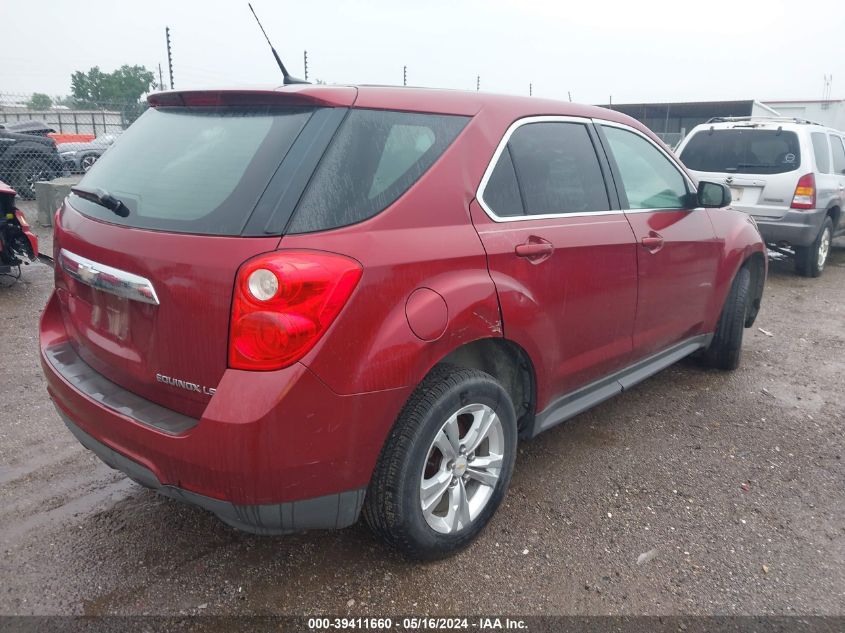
x,y
87,163
824,247
462,467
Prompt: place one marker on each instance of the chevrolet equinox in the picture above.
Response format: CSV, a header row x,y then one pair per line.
x,y
292,307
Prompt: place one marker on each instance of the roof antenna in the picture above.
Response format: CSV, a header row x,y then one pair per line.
x,y
288,78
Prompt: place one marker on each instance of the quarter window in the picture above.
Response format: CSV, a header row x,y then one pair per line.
x,y
838,155
375,157
820,149
650,179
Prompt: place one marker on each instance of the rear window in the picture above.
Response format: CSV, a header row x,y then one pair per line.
x,y
743,151
193,170
374,158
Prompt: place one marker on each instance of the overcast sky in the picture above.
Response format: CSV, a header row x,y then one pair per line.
x,y
653,50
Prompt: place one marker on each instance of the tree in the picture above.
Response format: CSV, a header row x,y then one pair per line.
x,y
39,101
125,86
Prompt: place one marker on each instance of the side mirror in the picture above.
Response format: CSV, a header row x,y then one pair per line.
x,y
713,195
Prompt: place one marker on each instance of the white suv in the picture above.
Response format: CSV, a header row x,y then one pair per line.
x,y
789,174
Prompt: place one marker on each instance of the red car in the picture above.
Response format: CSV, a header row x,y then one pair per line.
x,y
18,244
293,306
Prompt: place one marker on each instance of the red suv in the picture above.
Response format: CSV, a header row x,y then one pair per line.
x,y
292,306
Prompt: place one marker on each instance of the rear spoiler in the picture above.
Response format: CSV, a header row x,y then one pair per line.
x,y
326,96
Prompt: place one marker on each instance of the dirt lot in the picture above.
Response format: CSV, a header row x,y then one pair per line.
x,y
734,483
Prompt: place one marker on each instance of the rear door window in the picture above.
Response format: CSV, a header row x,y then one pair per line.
x,y
650,179
743,151
501,194
557,169
838,155
375,157
822,152
193,170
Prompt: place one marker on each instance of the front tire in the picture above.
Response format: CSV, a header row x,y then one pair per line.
x,y
446,465
810,260
725,349
27,173
87,162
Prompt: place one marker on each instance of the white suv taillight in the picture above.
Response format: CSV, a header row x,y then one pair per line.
x,y
283,303
805,193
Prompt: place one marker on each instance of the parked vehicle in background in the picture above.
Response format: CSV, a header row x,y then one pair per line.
x,y
36,128
27,158
18,244
293,306
80,157
789,174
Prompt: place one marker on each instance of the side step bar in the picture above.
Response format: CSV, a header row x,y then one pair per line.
x,y
590,395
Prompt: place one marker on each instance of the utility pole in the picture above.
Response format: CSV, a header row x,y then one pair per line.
x,y
477,83
160,79
568,92
305,58
404,75
530,90
169,55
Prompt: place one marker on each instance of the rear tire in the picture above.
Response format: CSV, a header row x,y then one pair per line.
x,y
810,260
725,349
438,453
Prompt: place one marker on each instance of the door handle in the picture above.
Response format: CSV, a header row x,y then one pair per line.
x,y
653,242
534,249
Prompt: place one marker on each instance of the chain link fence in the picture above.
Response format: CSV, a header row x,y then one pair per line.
x,y
43,139
672,139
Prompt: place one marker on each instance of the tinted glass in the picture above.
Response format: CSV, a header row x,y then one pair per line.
x,y
374,158
838,154
557,169
821,151
193,170
743,151
502,192
650,179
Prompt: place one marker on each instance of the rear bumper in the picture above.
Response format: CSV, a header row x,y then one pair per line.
x,y
272,452
796,228
326,512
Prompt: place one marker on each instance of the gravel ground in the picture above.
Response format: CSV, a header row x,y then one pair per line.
x,y
732,484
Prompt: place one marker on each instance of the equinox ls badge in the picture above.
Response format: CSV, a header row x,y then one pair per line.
x,y
184,384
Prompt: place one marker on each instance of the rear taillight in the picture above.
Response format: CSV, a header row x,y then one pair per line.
x,y
283,303
805,193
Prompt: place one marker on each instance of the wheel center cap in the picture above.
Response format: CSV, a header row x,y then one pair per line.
x,y
460,465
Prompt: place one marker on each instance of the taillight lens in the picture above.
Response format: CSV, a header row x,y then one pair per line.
x,y
283,303
805,193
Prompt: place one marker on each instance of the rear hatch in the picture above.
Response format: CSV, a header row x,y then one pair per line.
x,y
146,298
760,164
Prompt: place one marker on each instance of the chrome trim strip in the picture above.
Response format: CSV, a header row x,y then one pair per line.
x,y
112,280
479,194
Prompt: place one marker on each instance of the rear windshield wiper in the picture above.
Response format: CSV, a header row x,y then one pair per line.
x,y
103,198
